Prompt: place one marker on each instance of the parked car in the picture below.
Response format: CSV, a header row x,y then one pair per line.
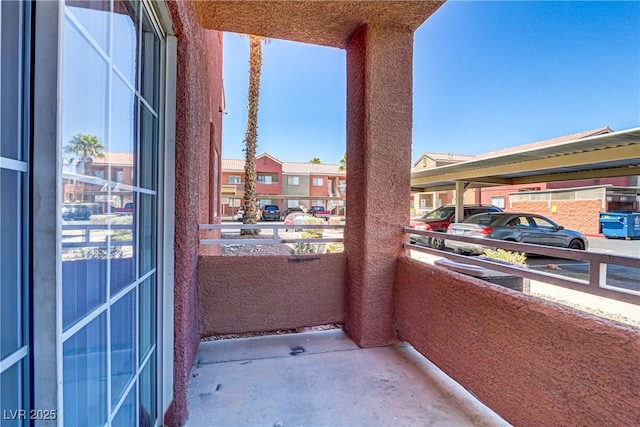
x,y
71,211
270,213
292,210
513,227
238,215
127,209
319,212
440,219
296,218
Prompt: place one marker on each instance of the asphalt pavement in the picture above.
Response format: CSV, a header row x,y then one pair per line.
x,y
617,276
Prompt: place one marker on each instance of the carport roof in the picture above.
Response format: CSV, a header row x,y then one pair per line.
x,y
600,156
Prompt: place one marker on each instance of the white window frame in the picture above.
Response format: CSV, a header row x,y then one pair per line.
x,y
293,180
235,179
317,182
498,201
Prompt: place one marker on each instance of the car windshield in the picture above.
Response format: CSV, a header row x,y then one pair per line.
x,y
270,208
439,213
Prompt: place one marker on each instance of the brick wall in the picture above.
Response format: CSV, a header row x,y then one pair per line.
x,y
580,215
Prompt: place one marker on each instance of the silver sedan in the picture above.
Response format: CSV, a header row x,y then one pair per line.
x,y
513,227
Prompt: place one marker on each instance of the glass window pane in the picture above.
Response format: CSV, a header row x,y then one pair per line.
x,y
126,31
84,243
148,392
11,271
147,313
122,253
150,62
12,392
94,17
148,233
148,149
85,375
84,279
126,416
123,134
10,70
123,342
84,111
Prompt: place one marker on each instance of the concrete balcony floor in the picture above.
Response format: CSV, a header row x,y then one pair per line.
x,y
324,379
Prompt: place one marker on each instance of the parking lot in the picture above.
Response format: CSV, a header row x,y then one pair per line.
x,y
617,276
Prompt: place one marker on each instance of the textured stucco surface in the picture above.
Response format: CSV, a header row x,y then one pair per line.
x,y
264,293
198,99
379,114
532,361
328,23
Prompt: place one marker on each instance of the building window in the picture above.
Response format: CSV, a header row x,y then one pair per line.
x,y
318,182
498,201
318,203
293,180
264,179
111,72
14,185
293,203
234,179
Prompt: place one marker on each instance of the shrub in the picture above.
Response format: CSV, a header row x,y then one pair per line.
x,y
508,257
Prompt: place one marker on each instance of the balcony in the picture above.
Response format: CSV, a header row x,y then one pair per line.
x,y
459,344
323,378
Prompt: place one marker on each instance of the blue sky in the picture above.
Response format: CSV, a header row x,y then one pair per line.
x,y
487,75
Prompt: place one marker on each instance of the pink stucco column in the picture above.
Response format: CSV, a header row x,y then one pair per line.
x,y
379,117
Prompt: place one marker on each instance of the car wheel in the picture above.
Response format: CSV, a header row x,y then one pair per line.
x,y
576,244
437,243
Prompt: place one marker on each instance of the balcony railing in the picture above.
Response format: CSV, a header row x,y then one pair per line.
x,y
597,275
275,239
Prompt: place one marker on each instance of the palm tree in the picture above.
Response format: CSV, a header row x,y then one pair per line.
x,y
83,147
343,163
251,137
315,161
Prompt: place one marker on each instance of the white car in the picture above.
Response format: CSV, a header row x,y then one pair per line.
x,y
238,215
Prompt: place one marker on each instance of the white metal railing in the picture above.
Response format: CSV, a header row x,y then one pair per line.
x,y
276,238
84,239
597,276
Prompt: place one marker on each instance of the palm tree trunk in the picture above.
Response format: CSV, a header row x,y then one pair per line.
x,y
251,136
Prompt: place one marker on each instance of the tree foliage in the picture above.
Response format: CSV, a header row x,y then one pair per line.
x,y
315,161
83,148
343,163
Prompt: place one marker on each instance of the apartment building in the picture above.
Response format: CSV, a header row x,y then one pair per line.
x,y
286,184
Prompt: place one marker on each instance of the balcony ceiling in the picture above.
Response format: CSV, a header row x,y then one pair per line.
x,y
327,23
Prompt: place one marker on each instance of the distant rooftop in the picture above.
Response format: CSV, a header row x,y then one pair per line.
x,y
299,168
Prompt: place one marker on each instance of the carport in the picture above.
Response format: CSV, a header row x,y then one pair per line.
x,y
611,154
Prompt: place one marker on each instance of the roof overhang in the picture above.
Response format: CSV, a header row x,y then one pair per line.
x,y
327,23
609,155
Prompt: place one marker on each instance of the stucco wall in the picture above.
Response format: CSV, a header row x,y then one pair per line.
x,y
198,132
534,362
263,293
581,215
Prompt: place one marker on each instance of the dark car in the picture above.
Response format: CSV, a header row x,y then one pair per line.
x,y
440,219
293,210
513,227
271,213
75,212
